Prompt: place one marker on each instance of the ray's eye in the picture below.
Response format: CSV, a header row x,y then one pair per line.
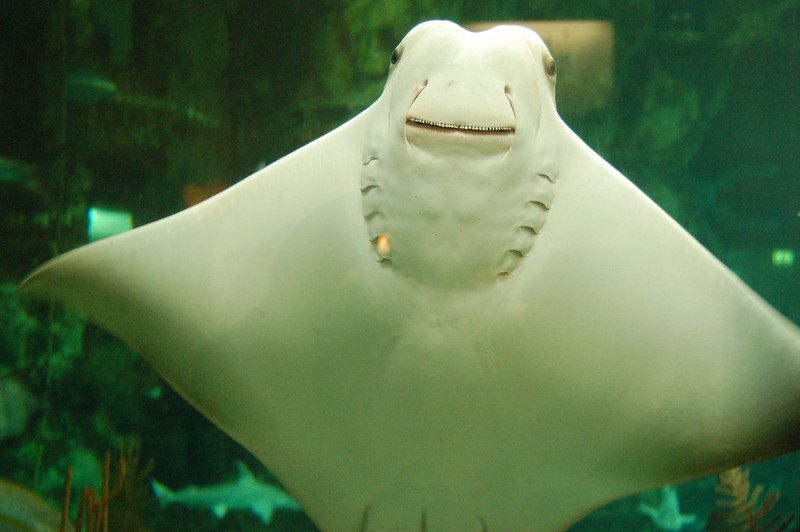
x,y
551,67
396,56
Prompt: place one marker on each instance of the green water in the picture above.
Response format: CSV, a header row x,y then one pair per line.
x,y
143,107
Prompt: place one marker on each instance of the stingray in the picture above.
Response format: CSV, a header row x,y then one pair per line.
x,y
449,313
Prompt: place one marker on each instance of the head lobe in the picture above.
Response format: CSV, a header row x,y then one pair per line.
x,y
451,162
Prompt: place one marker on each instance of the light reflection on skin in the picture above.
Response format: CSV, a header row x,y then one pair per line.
x,y
383,245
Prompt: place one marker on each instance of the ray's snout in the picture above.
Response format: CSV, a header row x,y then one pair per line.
x,y
473,115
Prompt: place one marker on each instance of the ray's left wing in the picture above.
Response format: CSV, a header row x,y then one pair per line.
x,y
244,302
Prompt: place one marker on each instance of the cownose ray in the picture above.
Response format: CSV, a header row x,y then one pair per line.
x,y
450,313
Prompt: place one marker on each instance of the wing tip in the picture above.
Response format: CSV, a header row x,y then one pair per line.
x,y
35,283
41,281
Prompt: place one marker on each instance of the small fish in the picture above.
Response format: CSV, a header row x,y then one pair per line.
x,y
247,493
667,515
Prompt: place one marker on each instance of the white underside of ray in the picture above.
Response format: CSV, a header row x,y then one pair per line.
x,y
619,355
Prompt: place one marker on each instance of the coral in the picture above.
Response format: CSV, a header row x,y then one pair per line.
x,y
87,470
741,509
130,494
93,510
135,495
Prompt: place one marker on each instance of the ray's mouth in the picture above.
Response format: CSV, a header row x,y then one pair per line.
x,y
468,129
464,140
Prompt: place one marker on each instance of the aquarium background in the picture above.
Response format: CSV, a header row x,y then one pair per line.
x,y
144,107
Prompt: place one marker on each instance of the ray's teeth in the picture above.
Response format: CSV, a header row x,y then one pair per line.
x,y
445,125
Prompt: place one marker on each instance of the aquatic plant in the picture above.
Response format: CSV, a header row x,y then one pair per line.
x,y
741,508
130,494
135,494
93,510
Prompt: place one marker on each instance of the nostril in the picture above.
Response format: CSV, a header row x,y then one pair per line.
x,y
418,89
